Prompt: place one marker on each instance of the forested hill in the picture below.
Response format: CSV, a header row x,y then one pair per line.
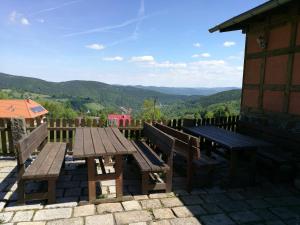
x,y
92,96
108,95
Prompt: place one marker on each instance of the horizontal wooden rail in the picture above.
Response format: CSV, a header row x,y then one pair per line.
x,y
63,130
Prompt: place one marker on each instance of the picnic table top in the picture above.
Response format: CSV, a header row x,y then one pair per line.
x,y
228,139
94,142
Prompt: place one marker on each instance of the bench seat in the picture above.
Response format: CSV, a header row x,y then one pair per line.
x,y
48,163
147,159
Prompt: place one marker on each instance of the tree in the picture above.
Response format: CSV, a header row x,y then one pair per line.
x,y
3,95
150,111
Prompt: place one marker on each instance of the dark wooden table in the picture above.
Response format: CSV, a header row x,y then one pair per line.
x,y
232,141
95,143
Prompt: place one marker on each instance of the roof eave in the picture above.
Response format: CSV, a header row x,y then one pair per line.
x,y
238,20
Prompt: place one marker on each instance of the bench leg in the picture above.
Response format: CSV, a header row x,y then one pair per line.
x,y
189,176
21,191
233,164
51,191
169,179
145,181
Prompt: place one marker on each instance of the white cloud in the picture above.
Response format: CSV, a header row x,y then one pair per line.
x,y
146,58
197,45
95,46
25,21
204,55
149,61
229,43
115,58
40,20
18,18
13,16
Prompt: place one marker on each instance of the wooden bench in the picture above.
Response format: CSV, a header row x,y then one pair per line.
x,y
188,147
46,166
152,166
284,151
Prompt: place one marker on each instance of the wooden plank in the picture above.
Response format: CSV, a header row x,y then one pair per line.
x,y
3,136
120,149
152,159
98,145
88,146
31,142
144,166
78,144
58,132
109,148
125,142
32,170
58,161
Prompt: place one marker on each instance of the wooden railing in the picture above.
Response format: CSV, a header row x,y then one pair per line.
x,y
63,130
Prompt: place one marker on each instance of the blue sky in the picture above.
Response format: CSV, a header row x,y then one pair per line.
x,y
145,42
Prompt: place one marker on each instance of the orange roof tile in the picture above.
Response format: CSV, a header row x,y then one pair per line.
x,y
25,108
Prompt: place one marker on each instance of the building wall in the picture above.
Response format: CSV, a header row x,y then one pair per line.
x,y
271,83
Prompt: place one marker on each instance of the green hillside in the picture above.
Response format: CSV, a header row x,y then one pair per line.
x,y
98,98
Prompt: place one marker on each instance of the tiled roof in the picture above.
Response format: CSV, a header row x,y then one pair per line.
x,y
25,108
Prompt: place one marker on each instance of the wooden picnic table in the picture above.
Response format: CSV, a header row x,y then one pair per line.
x,y
232,141
94,143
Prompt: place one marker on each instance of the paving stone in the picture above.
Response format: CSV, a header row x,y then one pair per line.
x,y
216,219
106,219
2,204
277,222
7,223
265,214
245,217
171,202
109,208
284,201
232,206
191,200
257,203
235,196
21,216
138,223
13,207
187,211
52,214
283,213
213,198
72,221
151,204
185,221
67,199
67,185
6,216
71,192
85,210
132,217
140,197
131,205
31,223
163,213
160,222
212,208
162,195
61,205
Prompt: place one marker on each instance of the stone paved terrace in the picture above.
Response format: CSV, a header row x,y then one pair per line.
x,y
265,203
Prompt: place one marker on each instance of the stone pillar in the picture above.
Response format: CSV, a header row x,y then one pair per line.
x,y
18,129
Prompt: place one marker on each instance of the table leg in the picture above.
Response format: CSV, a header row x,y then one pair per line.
x,y
233,164
91,179
119,175
253,166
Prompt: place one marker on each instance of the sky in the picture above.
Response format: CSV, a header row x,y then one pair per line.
x,y
127,42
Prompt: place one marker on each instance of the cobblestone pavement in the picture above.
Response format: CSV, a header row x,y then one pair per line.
x,y
265,203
